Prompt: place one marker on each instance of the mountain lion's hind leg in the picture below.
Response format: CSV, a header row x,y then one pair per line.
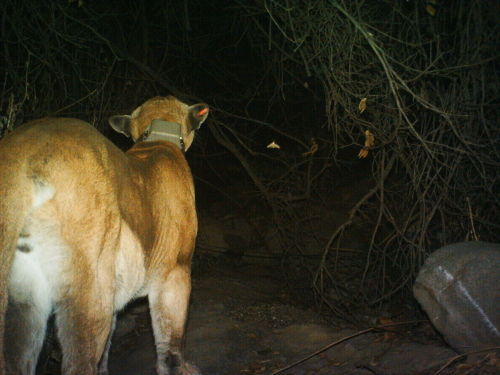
x,y
28,310
168,303
103,365
24,334
83,326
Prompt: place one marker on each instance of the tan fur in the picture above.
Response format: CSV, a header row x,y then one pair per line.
x,y
102,228
168,109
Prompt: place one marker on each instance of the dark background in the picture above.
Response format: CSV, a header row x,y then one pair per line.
x,y
294,72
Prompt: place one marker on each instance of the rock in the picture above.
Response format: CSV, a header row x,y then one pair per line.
x,y
459,289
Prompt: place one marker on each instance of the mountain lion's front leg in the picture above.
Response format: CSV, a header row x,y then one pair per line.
x,y
168,302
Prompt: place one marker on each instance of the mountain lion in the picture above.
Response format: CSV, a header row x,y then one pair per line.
x,y
85,228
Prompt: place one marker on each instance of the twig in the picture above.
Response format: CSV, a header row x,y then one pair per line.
x,y
471,217
325,348
456,358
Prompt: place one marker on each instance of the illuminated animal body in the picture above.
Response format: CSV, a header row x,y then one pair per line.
x,y
86,228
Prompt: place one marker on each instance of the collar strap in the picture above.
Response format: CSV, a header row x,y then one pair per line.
x,y
160,130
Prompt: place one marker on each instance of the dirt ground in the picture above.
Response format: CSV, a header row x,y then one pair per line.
x,y
244,321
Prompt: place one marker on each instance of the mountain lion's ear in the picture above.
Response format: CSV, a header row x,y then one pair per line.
x,y
121,124
197,114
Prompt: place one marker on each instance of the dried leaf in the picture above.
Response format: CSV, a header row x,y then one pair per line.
x,y
369,143
430,9
390,332
313,149
362,105
494,360
273,145
369,139
363,153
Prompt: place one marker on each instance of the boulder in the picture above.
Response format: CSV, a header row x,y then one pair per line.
x,y
459,289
